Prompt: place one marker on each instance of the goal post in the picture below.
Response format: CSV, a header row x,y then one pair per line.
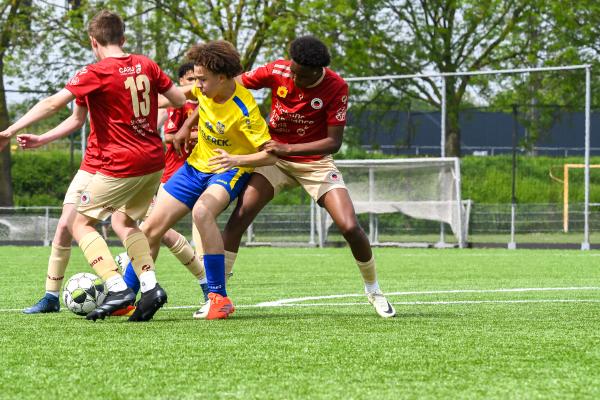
x,y
566,169
420,188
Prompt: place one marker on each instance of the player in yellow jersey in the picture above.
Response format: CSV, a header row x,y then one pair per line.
x,y
231,133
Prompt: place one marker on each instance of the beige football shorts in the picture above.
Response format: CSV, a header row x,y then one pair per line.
x,y
80,181
316,177
105,194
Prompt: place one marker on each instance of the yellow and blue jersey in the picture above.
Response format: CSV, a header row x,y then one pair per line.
x,y
235,126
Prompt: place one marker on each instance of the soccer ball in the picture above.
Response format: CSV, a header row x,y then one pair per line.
x,y
83,293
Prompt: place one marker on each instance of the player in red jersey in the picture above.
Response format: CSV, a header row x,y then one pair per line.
x,y
173,240
61,243
308,115
122,95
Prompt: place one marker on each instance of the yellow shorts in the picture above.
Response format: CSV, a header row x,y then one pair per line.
x,y
105,194
316,177
79,182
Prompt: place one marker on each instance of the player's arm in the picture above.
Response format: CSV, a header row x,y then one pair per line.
x,y
225,161
40,111
186,90
182,138
162,117
73,123
174,96
329,145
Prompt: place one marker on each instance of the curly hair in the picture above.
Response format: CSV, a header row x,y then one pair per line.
x,y
218,56
184,68
309,51
107,28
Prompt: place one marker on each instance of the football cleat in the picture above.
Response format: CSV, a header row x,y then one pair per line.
x,y
124,312
122,260
113,302
382,306
47,304
148,304
219,307
203,311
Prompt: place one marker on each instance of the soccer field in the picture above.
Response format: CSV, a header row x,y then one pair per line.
x,y
471,324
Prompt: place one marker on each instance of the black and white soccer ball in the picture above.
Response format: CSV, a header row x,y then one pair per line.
x,y
83,292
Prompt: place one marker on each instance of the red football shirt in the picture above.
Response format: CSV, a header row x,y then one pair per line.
x,y
177,117
300,115
92,159
122,97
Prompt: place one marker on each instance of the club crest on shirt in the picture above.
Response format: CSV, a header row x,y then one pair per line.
x,y
220,128
85,198
316,103
334,177
209,126
138,68
282,92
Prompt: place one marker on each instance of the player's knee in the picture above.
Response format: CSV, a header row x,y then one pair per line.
x,y
201,213
352,231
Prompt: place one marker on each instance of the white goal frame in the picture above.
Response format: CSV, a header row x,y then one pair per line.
x,y
585,245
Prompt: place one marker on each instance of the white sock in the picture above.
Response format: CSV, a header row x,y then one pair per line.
x,y
148,281
55,294
116,283
372,287
202,281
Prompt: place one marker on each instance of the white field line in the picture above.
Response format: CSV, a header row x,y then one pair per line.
x,y
299,302
340,296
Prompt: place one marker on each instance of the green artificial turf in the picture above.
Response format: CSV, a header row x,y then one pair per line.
x,y
443,344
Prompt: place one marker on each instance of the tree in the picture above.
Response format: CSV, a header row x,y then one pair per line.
x,y
14,27
381,37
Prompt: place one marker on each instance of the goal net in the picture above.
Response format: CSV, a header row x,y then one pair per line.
x,y
418,188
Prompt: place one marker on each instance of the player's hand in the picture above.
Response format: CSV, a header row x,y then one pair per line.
x,y
3,142
7,134
223,162
181,141
278,149
28,141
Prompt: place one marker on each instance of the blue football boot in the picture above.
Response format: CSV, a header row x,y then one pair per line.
x,y
47,304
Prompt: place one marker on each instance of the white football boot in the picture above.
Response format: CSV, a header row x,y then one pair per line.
x,y
382,306
122,260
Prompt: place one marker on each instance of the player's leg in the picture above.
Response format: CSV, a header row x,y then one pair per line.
x,y
264,183
221,190
99,257
338,204
324,183
103,196
61,246
206,210
137,245
179,247
57,263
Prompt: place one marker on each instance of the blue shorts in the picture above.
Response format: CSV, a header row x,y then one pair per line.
x,y
187,184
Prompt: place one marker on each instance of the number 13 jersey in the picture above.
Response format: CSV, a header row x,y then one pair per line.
x,y
122,96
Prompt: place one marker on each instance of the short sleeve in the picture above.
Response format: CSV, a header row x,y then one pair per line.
x,y
174,121
80,102
336,111
163,82
84,82
258,78
255,128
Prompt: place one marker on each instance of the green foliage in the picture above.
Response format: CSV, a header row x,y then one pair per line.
x,y
488,179
41,178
